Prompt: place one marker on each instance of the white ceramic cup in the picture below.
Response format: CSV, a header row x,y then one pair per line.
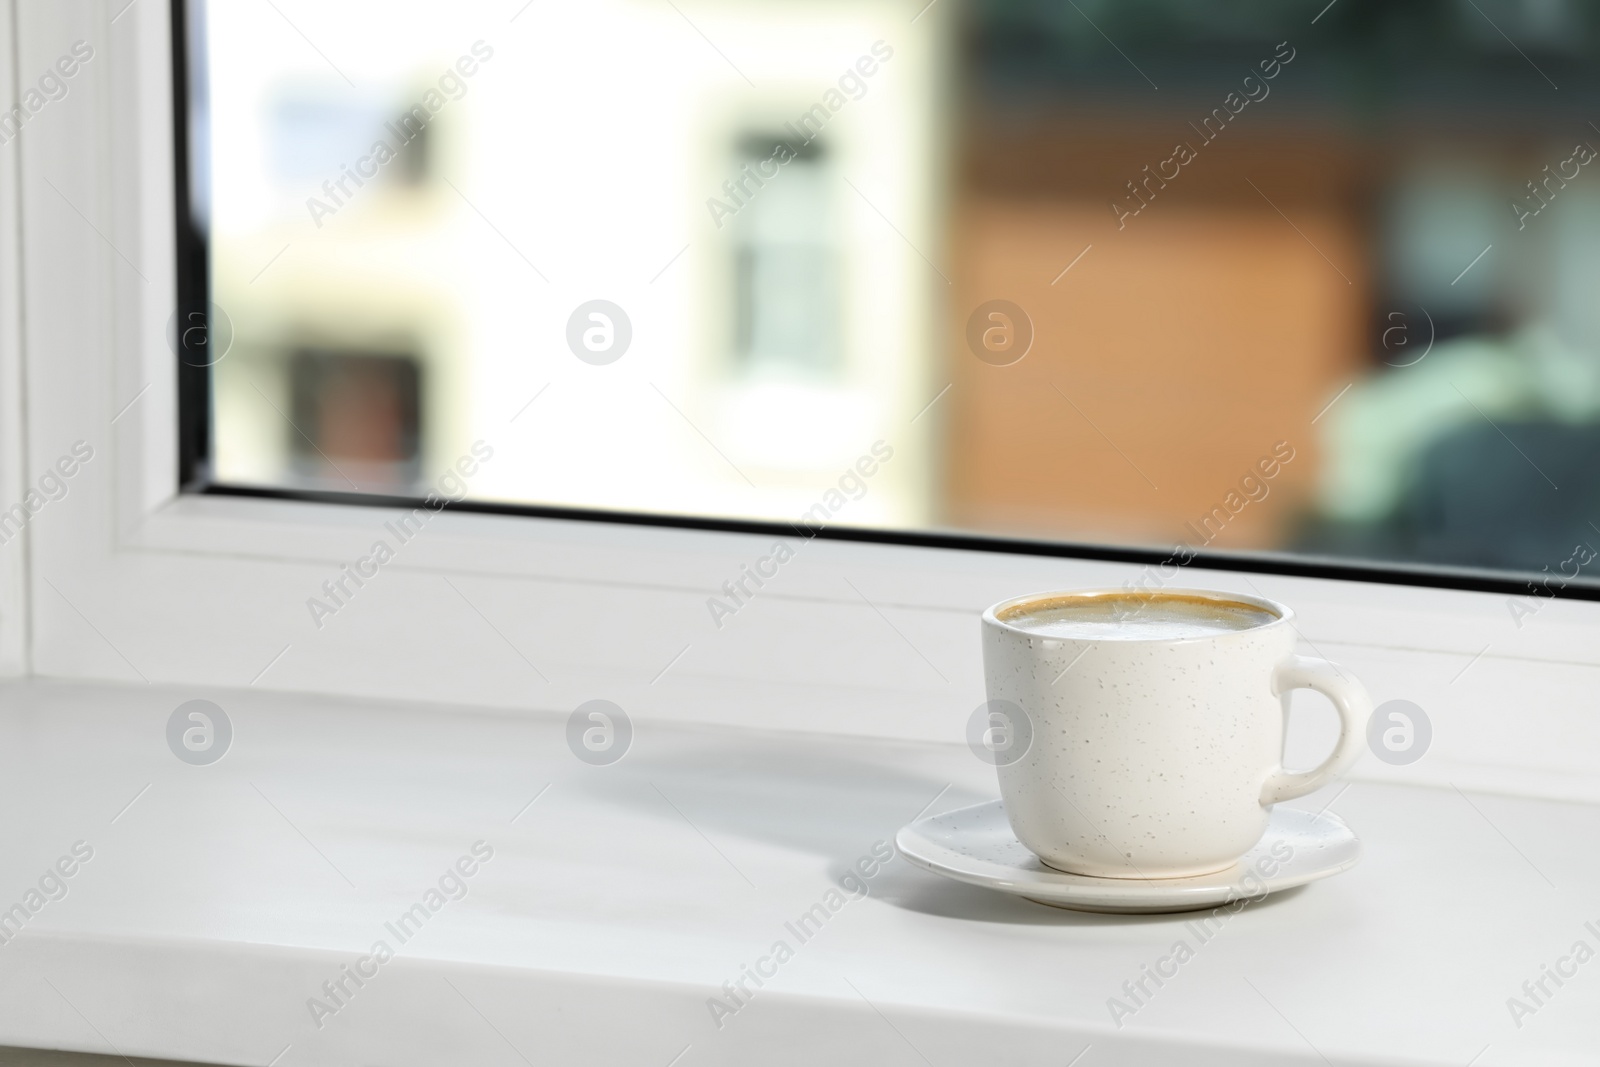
x,y
1154,758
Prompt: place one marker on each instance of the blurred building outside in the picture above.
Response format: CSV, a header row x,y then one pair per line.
x,y
799,221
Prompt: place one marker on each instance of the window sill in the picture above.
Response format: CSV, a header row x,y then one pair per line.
x,y
220,900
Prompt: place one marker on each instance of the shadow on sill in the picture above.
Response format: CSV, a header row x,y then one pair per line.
x,y
28,1057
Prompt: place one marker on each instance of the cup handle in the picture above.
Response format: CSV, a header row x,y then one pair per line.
x,y
1354,706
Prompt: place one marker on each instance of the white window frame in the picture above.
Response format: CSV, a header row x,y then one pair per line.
x,y
126,580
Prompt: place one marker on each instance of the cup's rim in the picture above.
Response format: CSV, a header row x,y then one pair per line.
x,y
1283,614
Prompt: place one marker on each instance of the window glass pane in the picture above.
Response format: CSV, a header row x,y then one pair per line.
x,y
1209,275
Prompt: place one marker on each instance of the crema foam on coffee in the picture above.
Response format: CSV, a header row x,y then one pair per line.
x,y
1135,618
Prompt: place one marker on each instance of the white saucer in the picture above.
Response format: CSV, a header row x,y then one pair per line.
x,y
975,845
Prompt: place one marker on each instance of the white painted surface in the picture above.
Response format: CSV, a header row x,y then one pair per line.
x,y
13,458
625,896
128,581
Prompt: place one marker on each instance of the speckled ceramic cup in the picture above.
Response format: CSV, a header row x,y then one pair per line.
x,y
1153,750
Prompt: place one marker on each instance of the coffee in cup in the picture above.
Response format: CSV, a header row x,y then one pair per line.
x,y
1154,725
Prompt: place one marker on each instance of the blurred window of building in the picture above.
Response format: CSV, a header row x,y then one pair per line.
x,y
786,264
356,416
